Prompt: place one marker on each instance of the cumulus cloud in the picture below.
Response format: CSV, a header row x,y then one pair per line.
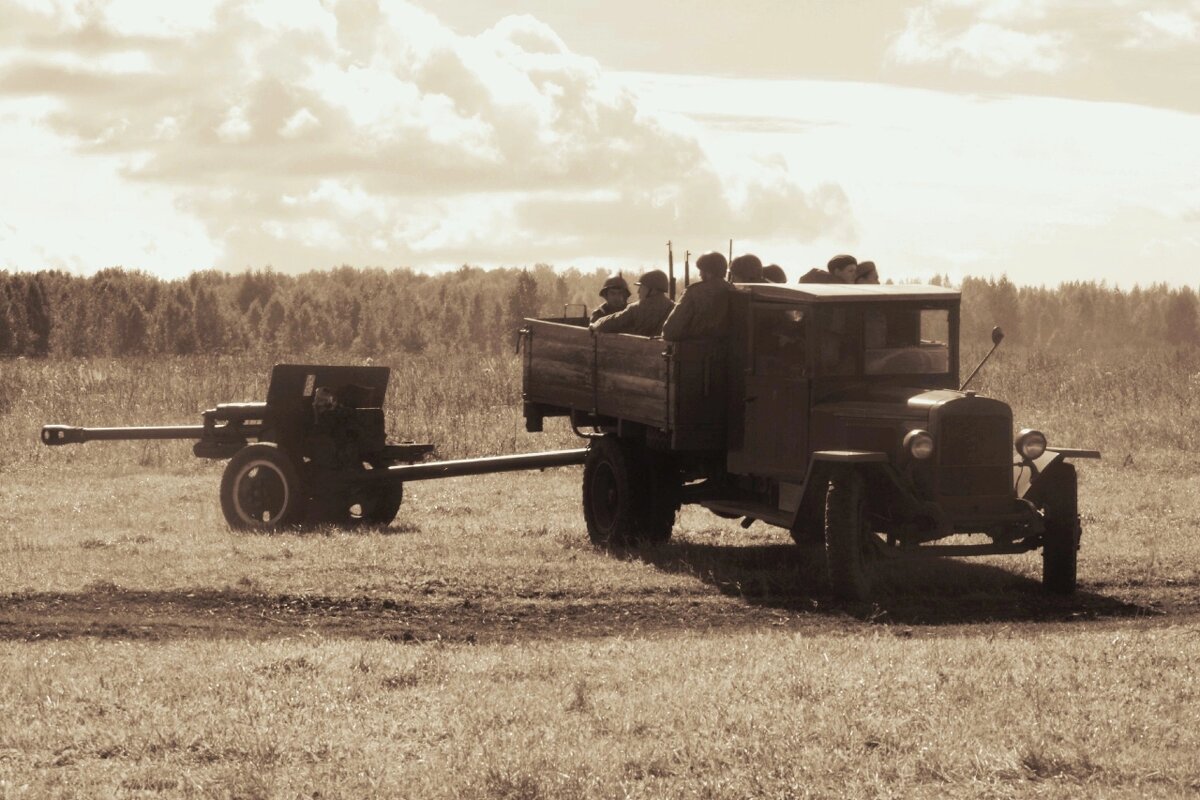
x,y
986,43
1006,37
1165,28
307,134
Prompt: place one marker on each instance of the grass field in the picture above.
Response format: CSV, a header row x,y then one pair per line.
x,y
479,647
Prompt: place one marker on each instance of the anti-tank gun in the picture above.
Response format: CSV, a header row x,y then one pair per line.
x,y
316,452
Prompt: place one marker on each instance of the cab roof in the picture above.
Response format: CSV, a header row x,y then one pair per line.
x,y
846,292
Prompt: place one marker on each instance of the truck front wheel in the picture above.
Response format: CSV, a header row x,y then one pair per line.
x,y
1060,551
847,537
624,500
1056,492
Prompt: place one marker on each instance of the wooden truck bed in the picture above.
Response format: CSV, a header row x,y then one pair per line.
x,y
675,388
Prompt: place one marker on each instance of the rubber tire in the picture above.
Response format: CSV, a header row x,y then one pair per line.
x,y
1060,555
629,495
846,532
666,483
289,509
381,508
1057,492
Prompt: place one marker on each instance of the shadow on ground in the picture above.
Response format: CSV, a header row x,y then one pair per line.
x,y
914,591
765,587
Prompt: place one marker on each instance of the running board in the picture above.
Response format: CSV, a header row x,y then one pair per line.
x,y
949,550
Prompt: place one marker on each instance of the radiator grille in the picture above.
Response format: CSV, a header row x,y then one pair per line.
x,y
975,455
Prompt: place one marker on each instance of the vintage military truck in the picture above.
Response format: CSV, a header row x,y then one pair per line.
x,y
832,411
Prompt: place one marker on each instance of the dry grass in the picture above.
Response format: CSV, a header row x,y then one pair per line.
x,y
147,650
986,713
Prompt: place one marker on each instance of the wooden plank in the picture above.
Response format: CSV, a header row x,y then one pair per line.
x,y
631,378
559,371
614,383
646,410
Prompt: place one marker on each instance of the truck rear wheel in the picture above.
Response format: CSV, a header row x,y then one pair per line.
x,y
261,491
847,537
629,495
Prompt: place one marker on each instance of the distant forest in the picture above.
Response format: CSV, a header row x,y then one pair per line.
x,y
370,311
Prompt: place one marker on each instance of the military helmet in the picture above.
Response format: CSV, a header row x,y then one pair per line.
x,y
747,268
774,274
712,263
615,282
655,279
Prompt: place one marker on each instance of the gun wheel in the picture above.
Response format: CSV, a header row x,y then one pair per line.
x,y
377,506
260,490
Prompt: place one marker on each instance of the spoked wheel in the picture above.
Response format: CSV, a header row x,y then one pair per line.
x,y
849,541
629,495
261,491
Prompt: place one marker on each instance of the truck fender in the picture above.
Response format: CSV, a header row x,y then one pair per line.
x,y
821,467
1044,471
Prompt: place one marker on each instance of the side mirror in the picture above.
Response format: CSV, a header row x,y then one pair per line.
x,y
997,338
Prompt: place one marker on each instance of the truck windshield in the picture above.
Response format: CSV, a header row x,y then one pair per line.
x,y
911,341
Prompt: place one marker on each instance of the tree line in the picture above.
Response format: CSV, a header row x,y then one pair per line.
x,y
367,311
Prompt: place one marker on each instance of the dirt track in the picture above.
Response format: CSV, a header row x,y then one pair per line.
x,y
149,616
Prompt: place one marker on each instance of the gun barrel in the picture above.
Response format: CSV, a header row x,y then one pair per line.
x,y
69,434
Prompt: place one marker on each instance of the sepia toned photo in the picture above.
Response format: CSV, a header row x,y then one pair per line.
x,y
531,400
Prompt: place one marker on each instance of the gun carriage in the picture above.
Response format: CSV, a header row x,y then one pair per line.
x,y
316,452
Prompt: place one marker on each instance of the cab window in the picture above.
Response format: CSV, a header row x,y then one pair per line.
x,y
906,341
838,342
781,340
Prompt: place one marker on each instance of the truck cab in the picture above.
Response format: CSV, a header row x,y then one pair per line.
x,y
832,411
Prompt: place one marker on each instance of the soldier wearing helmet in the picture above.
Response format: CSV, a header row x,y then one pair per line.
x,y
773,273
840,269
703,312
615,292
747,268
646,316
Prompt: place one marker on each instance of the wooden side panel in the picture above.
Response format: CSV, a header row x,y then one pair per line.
x,y
631,378
679,388
558,365
698,402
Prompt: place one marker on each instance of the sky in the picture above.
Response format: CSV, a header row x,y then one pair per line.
x,y
1045,140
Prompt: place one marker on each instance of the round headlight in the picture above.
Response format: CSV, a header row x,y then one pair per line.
x,y
1031,444
919,444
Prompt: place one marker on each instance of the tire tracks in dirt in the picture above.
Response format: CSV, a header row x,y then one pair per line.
x,y
114,613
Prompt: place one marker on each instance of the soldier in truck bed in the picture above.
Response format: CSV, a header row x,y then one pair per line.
x,y
841,269
703,312
646,316
746,268
615,292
